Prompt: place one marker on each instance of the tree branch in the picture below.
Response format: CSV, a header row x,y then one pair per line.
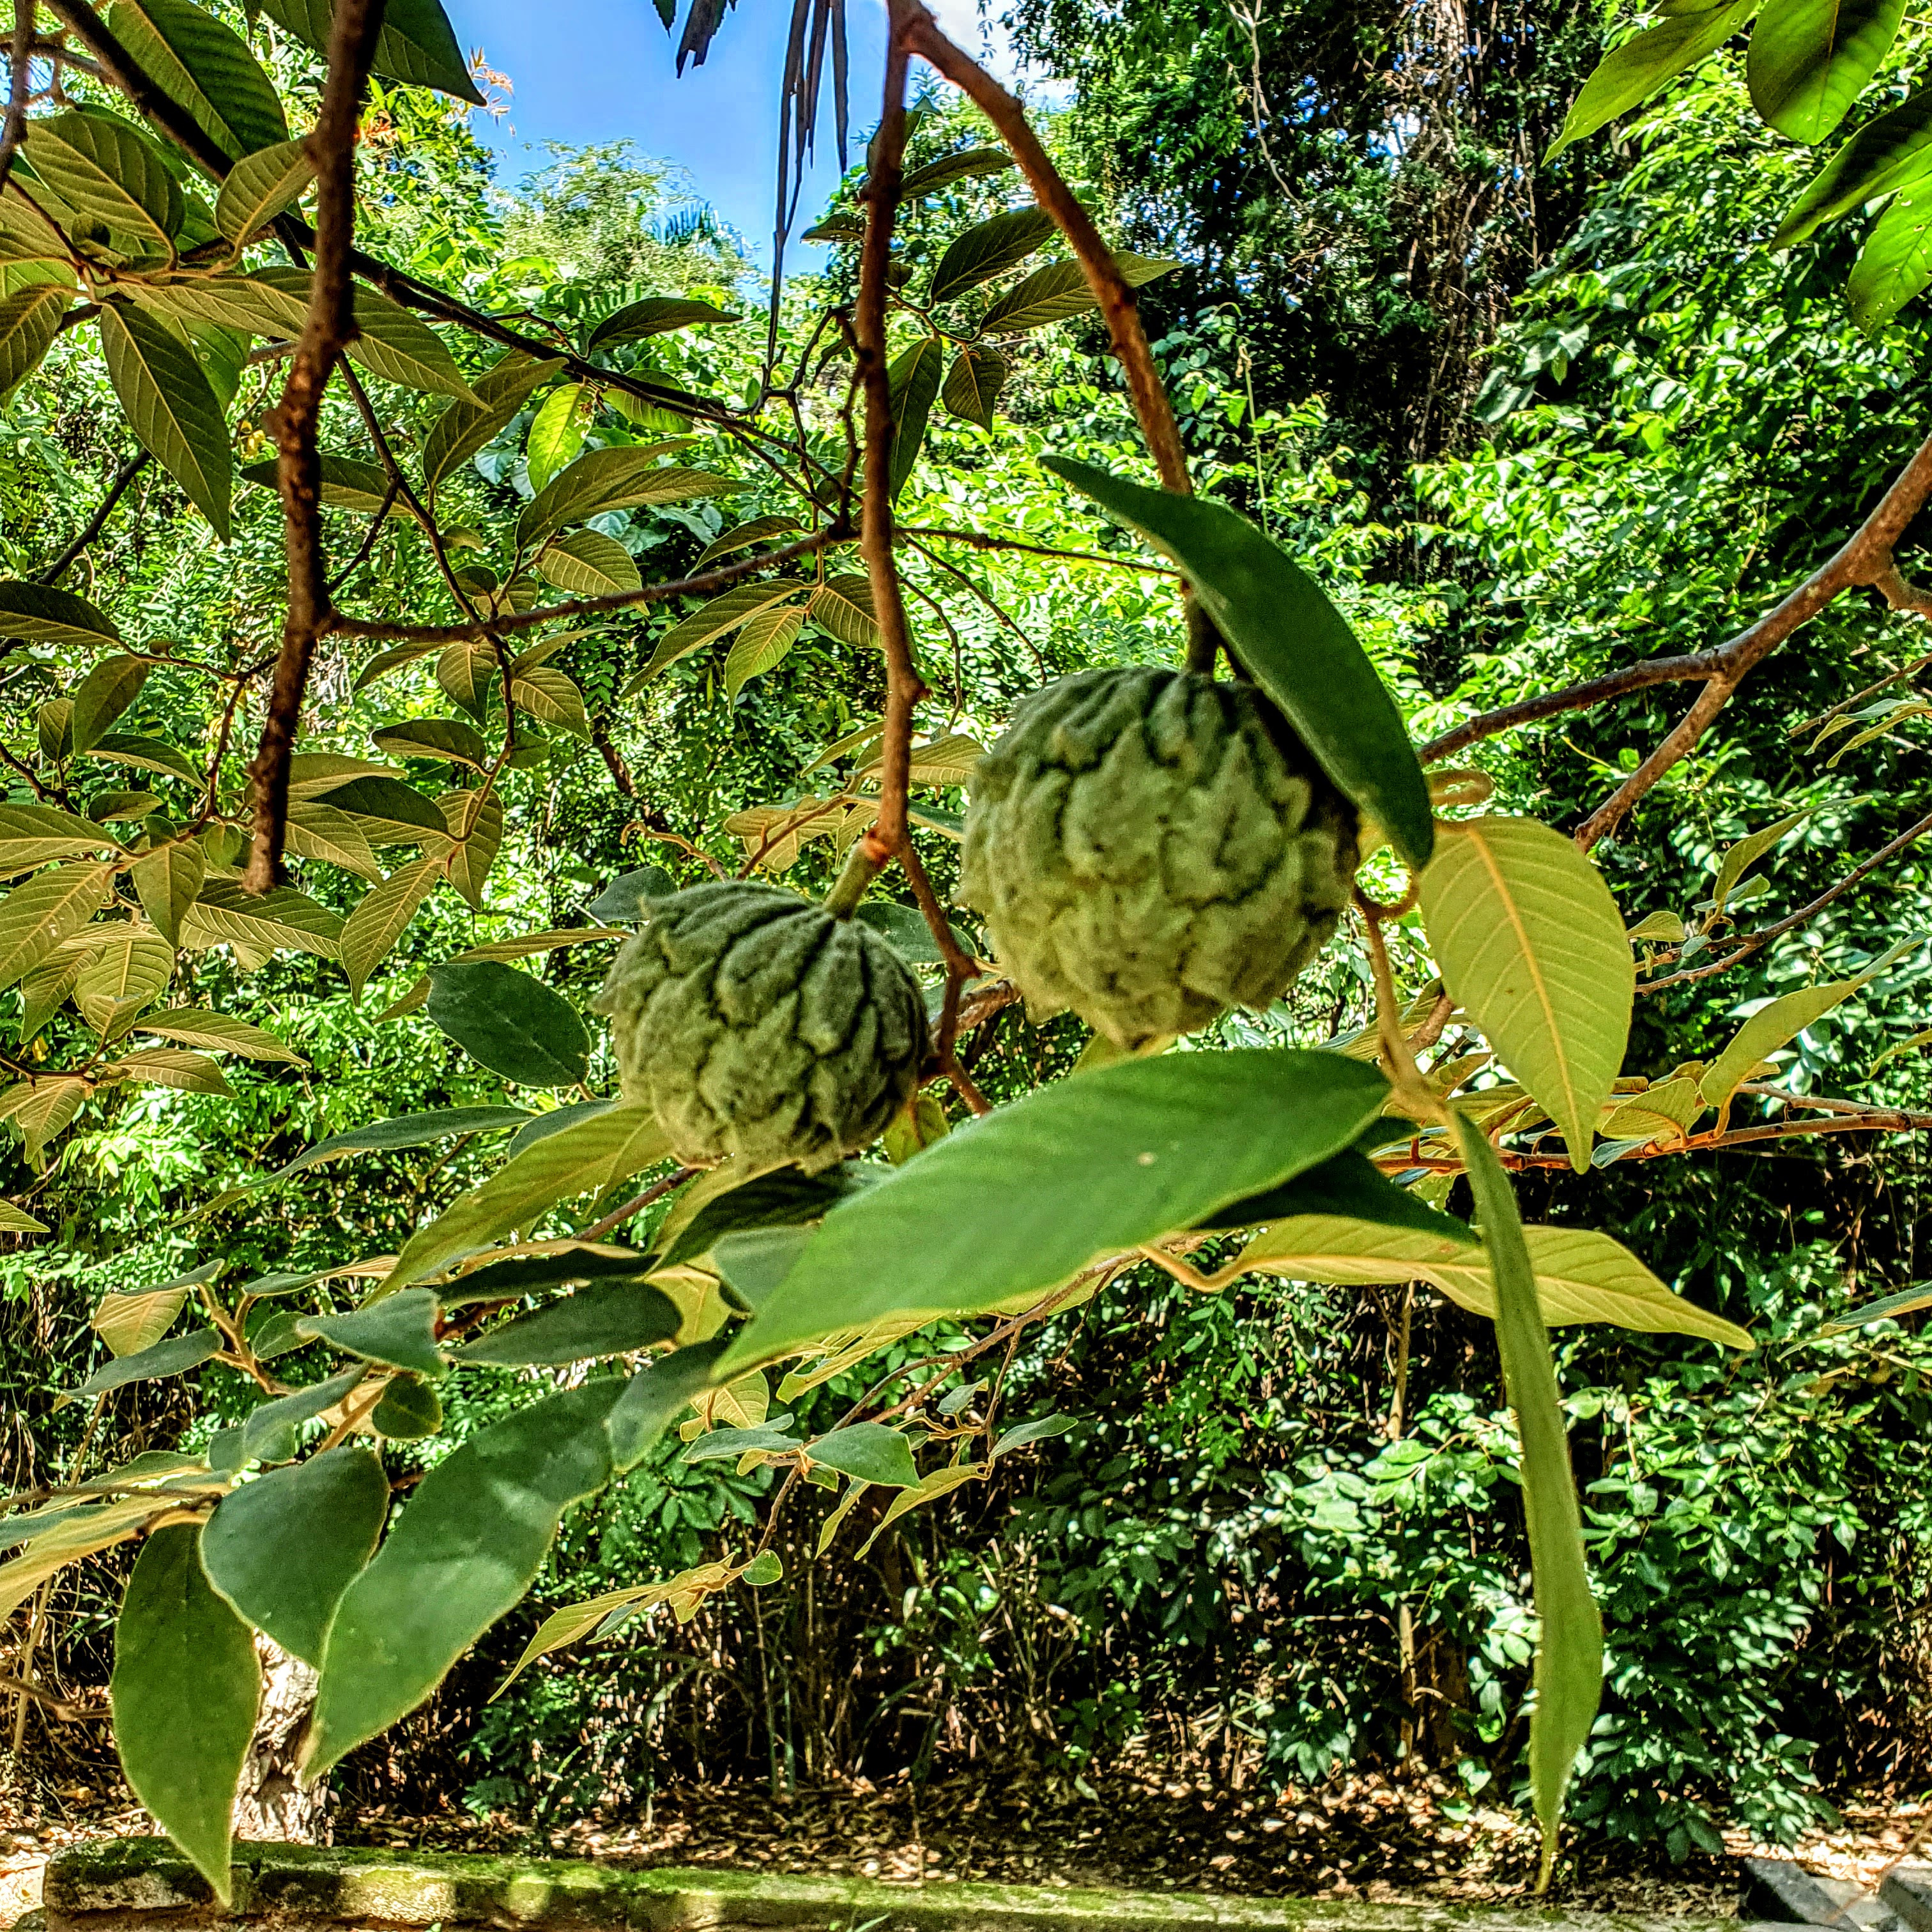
x,y
96,523
20,61
330,324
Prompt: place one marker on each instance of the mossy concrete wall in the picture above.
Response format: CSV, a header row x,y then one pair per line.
x,y
142,1885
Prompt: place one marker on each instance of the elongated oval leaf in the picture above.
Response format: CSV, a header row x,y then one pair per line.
x,y
407,1130
603,480
470,1543
101,167
399,1331
260,186
716,619
763,643
43,615
417,44
465,427
1894,266
1569,1670
185,1690
370,933
170,407
283,1549
654,315
586,563
1809,60
989,249
1890,151
206,67
965,166
1531,944
1292,641
283,920
556,432
29,321
1061,291
607,1318
510,1021
1113,1159
221,1032
914,380
974,383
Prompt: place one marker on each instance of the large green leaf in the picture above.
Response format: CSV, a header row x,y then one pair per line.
x,y
399,1331
1291,640
586,563
716,619
101,168
1061,291
1531,945
1895,264
1026,1197
29,321
1809,60
1772,1026
381,916
606,1317
465,427
1569,1671
185,1689
206,67
914,379
267,1434
989,249
1889,151
510,1021
416,44
43,615
868,1452
407,1130
105,693
589,1156
656,1396
283,1549
603,480
763,643
260,186
281,921
974,383
170,407
654,315
174,1357
1634,71
35,916
470,1544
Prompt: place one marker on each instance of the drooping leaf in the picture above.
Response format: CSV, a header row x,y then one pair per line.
x,y
586,563
1531,943
185,1689
966,165
716,619
974,383
100,167
44,615
604,480
555,433
1569,1670
470,1544
260,186
655,1398
417,44
988,249
1292,641
465,427
170,1066
283,1549
221,1033
105,693
606,1317
1632,73
29,321
914,377
145,754
1890,151
170,407
405,1131
167,881
37,915
746,536
1809,60
1771,1027
1128,1153
1894,266
594,1154
868,1452
763,644
447,738
653,316
1061,291
281,920
125,970
174,1357
206,67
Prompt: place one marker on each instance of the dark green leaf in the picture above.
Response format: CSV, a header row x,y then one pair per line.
x,y
170,407
1292,641
206,67
753,1263
107,691
965,166
786,1199
655,1397
174,1357
608,1318
390,812
283,1549
409,1410
1809,60
446,738
905,929
914,376
1346,1184
468,1546
399,1329
346,484
720,1445
43,615
416,44
1569,1673
1061,291
100,167
987,250
868,1452
1889,151
653,316
185,1690
407,1130
765,1568
464,427
626,898
270,1424
528,1274
510,1022
974,383
1010,1439
1024,1199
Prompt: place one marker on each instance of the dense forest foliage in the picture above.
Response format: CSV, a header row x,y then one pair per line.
x,y
1524,422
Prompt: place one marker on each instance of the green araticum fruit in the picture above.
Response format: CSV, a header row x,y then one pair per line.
x,y
1150,848
753,1022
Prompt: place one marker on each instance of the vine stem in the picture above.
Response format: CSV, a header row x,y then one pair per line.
x,y
330,324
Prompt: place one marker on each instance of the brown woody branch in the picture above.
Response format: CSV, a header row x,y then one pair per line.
x,y
297,423
1745,944
979,540
20,61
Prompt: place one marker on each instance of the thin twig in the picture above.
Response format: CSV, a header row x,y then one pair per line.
x,y
96,523
979,540
635,1206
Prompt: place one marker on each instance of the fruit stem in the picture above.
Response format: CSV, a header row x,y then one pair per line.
x,y
862,866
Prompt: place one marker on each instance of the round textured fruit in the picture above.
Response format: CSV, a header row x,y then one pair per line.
x,y
1149,847
753,1022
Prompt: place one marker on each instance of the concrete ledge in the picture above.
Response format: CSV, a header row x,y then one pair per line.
x,y
143,1885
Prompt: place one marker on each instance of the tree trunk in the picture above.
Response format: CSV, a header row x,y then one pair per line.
x,y
269,1804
